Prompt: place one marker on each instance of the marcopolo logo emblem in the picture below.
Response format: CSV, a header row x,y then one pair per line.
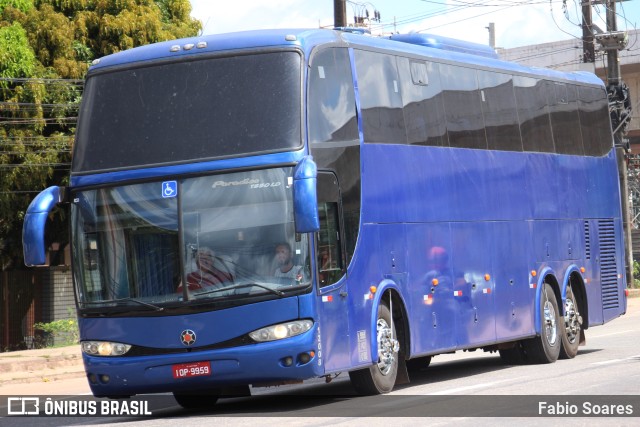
x,y
188,337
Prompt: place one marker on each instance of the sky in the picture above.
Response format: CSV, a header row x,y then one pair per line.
x,y
517,22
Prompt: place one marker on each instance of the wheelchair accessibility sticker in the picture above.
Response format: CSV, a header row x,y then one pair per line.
x,y
169,189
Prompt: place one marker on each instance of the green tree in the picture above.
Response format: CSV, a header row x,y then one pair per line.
x,y
46,47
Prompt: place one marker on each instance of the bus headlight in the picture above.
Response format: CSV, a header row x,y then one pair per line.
x,y
281,330
104,348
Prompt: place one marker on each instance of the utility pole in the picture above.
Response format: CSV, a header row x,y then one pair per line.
x,y
611,42
492,34
588,45
339,13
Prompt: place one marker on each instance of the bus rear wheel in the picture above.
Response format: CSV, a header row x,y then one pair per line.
x,y
572,326
194,400
381,377
546,347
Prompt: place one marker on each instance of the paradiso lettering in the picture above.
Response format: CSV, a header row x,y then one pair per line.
x,y
252,183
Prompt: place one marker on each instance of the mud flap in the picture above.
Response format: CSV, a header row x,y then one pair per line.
x,y
403,373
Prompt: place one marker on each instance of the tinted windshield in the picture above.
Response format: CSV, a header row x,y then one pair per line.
x,y
230,238
190,110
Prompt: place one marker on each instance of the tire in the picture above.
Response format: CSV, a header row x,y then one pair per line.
x,y
193,400
514,356
545,348
381,377
571,327
418,364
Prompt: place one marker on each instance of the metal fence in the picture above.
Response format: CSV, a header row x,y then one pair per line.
x,y
32,296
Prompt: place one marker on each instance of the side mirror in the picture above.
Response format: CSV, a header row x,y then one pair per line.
x,y
305,196
34,224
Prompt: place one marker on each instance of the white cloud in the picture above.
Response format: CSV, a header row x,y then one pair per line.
x,y
220,17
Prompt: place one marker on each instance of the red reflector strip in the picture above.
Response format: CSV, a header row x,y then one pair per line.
x,y
457,293
428,297
486,291
533,285
327,298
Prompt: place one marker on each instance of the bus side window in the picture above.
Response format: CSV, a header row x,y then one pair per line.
x,y
330,266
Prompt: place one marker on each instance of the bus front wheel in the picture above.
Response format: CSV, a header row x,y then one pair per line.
x,y
381,377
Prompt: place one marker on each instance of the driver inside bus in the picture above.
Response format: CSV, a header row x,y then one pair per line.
x,y
286,267
209,274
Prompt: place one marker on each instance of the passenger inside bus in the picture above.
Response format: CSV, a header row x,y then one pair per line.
x,y
212,271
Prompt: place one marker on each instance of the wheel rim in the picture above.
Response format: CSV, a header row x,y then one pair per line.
x,y
550,326
571,320
387,347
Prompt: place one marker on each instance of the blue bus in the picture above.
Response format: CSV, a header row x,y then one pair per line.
x,y
266,207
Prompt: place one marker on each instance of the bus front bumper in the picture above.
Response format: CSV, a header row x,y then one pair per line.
x,y
288,360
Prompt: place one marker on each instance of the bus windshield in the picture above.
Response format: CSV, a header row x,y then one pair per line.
x,y
230,238
190,111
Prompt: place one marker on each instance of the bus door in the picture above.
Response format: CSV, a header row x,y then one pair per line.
x,y
331,276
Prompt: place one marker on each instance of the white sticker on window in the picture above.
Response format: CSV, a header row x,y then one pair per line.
x,y
321,71
395,86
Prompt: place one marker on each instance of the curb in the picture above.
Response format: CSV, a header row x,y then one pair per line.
x,y
41,365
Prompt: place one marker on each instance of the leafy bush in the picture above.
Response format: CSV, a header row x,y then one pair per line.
x,y
65,329
636,274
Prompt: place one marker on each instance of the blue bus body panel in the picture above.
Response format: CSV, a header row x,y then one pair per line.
x,y
468,206
211,327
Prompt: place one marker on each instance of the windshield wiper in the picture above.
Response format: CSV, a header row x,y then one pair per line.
x,y
146,304
243,285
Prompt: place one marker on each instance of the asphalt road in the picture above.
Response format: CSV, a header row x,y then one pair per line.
x,y
468,388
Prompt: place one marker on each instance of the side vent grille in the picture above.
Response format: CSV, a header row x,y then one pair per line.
x,y
608,264
587,240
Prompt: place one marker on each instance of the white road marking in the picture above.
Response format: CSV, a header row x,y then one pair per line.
x,y
473,387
